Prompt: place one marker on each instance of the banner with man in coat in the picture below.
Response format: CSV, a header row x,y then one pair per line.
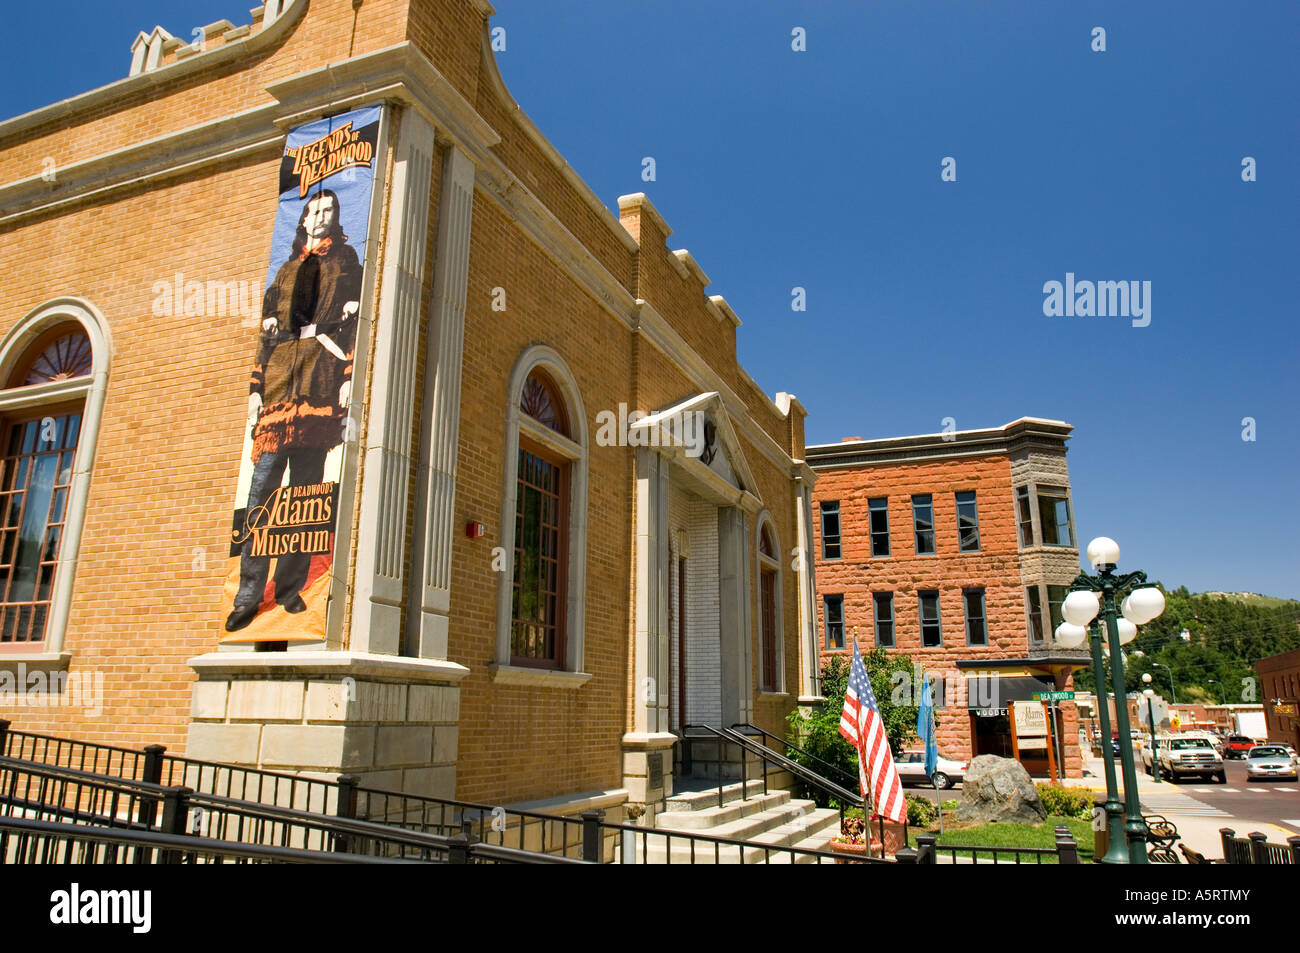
x,y
300,387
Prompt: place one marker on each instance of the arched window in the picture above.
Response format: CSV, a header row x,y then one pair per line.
x,y
541,533
53,365
540,608
769,607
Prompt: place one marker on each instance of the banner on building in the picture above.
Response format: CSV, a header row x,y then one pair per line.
x,y
300,385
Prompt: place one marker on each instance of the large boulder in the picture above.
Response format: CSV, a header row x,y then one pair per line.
x,y
999,789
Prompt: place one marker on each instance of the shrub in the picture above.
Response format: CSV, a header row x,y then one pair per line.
x,y
920,811
1066,801
951,804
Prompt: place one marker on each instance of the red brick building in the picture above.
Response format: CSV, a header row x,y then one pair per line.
x,y
1279,686
956,549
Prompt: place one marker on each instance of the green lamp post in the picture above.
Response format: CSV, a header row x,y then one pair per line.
x,y
1071,636
1098,597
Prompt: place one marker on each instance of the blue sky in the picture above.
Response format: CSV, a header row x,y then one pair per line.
x,y
821,169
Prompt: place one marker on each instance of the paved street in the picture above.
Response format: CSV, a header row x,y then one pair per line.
x,y
1272,802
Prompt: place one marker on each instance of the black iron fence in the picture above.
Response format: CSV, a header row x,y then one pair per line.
x,y
1254,848
53,794
585,837
1066,851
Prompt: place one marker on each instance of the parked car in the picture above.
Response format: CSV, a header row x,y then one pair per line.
x,y
1179,756
1237,746
911,770
1270,761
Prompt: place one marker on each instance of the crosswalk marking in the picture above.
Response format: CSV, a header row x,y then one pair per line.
x,y
1287,790
1292,821
1257,790
1202,790
1230,790
1179,803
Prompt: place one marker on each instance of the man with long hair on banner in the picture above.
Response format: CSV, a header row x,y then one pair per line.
x,y
299,390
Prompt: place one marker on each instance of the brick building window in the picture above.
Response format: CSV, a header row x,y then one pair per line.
x,y
977,632
541,594
1034,601
50,381
769,605
878,516
884,612
923,523
830,511
1054,516
1025,516
931,630
541,540
968,523
833,614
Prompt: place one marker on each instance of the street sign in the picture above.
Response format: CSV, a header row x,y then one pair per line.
x,y
1053,696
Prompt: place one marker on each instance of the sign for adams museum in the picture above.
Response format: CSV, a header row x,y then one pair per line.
x,y
300,384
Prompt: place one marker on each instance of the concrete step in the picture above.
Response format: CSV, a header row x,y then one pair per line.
x,y
708,796
705,819
782,827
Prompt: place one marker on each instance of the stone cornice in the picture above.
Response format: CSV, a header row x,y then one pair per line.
x,y
1027,432
399,74
325,664
172,154
67,111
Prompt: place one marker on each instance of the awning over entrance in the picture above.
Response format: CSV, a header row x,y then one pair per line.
x,y
994,691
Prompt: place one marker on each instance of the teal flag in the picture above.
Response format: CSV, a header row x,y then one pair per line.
x,y
925,727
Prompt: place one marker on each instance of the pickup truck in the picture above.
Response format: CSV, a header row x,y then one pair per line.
x,y
1178,757
1238,746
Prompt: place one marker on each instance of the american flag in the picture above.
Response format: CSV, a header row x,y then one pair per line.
x,y
862,725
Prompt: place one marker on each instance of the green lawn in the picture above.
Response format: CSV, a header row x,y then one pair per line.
x,y
1017,835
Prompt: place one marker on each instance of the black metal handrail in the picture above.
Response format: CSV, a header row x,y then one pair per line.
x,y
794,747
230,819
768,756
23,840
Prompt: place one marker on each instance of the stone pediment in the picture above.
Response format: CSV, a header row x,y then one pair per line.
x,y
699,434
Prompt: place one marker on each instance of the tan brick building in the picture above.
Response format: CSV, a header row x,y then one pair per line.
x,y
508,324
956,549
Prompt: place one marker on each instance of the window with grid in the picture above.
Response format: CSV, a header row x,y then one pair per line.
x,y
923,520
833,612
1024,517
977,632
968,523
830,510
878,510
541,519
768,581
884,612
931,630
37,474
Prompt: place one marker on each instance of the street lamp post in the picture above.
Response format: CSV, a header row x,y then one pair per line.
x,y
1172,688
1114,808
1151,720
1095,597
